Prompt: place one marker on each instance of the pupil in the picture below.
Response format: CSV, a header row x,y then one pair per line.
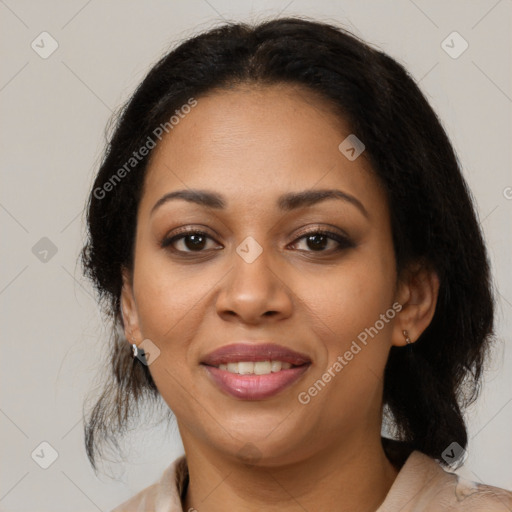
x,y
197,242
313,240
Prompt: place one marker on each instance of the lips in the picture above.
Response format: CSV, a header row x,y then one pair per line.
x,y
250,352
223,365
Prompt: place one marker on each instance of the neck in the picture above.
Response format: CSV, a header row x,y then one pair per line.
x,y
353,476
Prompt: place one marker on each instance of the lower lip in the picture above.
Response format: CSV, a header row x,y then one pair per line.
x,y
255,387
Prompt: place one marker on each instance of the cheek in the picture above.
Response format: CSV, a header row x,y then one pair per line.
x,y
169,300
356,341
351,296
170,312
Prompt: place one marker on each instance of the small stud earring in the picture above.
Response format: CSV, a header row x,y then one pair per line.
x,y
406,336
135,349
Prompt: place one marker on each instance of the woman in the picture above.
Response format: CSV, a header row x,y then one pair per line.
x,y
281,229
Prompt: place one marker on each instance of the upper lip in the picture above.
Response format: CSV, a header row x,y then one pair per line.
x,y
252,352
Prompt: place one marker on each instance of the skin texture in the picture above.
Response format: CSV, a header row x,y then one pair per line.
x,y
252,144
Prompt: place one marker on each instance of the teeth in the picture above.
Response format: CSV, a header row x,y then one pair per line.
x,y
262,368
276,366
245,368
258,368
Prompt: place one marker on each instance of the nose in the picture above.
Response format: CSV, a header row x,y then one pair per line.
x,y
254,292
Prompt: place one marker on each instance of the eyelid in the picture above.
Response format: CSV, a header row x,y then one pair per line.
x,y
329,230
192,229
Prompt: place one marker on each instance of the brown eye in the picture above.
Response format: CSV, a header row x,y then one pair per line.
x,y
194,242
323,241
317,242
191,241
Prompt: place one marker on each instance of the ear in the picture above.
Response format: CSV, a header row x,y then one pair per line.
x,y
129,309
417,293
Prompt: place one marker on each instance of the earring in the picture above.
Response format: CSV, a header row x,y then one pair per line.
x,y
406,336
135,349
138,353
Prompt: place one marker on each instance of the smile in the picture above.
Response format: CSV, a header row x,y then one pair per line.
x,y
249,371
255,368
251,386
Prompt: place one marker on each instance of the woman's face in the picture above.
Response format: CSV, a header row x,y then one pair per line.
x,y
259,275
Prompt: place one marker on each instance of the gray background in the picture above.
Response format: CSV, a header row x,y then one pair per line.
x,y
54,111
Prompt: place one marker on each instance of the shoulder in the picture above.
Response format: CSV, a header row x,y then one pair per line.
x,y
162,496
442,490
474,497
143,501
423,485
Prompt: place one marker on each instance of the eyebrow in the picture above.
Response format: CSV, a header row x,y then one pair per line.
x,y
286,202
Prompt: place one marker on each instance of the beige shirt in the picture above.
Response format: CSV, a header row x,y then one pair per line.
x,y
422,485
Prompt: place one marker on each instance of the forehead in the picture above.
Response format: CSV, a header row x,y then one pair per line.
x,y
255,143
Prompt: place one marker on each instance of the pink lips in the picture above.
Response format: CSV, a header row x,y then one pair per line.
x,y
254,387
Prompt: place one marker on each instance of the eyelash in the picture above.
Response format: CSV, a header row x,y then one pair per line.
x,y
343,241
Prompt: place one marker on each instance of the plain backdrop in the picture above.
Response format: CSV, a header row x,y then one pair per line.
x,y
54,109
